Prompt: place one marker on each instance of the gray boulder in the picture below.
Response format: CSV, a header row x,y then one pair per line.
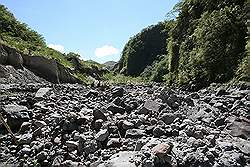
x,y
42,92
149,107
16,115
102,135
122,159
168,118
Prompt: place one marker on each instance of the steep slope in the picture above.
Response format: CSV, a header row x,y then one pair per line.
x,y
20,36
48,69
110,64
48,63
206,43
144,48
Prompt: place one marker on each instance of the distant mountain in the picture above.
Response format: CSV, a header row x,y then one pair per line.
x,y
110,64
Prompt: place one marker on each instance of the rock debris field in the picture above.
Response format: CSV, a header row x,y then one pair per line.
x,y
125,126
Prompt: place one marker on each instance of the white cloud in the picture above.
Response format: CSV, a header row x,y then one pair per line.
x,y
106,50
59,48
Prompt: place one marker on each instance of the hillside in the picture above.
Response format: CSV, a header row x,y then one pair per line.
x,y
145,47
27,42
110,64
206,43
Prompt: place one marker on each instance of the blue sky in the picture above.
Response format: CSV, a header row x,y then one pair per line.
x,y
96,29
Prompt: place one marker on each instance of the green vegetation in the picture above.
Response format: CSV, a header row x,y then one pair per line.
x,y
85,79
18,35
144,48
206,43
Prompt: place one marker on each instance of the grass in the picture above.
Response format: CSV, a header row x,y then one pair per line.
x,y
83,78
29,49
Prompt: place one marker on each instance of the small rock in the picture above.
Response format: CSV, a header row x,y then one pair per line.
x,y
72,145
37,132
92,93
221,92
102,135
135,133
198,134
118,92
175,132
220,121
114,142
121,159
42,92
162,149
48,145
127,125
158,132
57,140
98,114
168,118
117,101
24,127
211,139
25,139
194,95
25,150
40,124
70,163
98,124
42,156
116,109
90,147
57,161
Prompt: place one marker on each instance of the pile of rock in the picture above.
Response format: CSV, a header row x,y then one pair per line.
x,y
148,126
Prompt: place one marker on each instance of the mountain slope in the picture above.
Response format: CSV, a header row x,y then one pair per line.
x,y
206,43
142,49
25,41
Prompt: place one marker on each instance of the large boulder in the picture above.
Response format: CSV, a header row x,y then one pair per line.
x,y
239,128
42,92
10,56
42,66
49,69
121,159
16,115
14,58
149,106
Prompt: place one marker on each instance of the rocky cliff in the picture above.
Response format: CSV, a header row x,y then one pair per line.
x,y
48,69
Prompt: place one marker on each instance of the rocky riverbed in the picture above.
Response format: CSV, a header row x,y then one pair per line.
x,y
125,126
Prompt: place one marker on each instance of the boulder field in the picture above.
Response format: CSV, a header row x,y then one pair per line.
x,y
71,125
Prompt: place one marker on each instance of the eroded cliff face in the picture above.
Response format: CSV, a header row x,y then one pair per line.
x,y
48,69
